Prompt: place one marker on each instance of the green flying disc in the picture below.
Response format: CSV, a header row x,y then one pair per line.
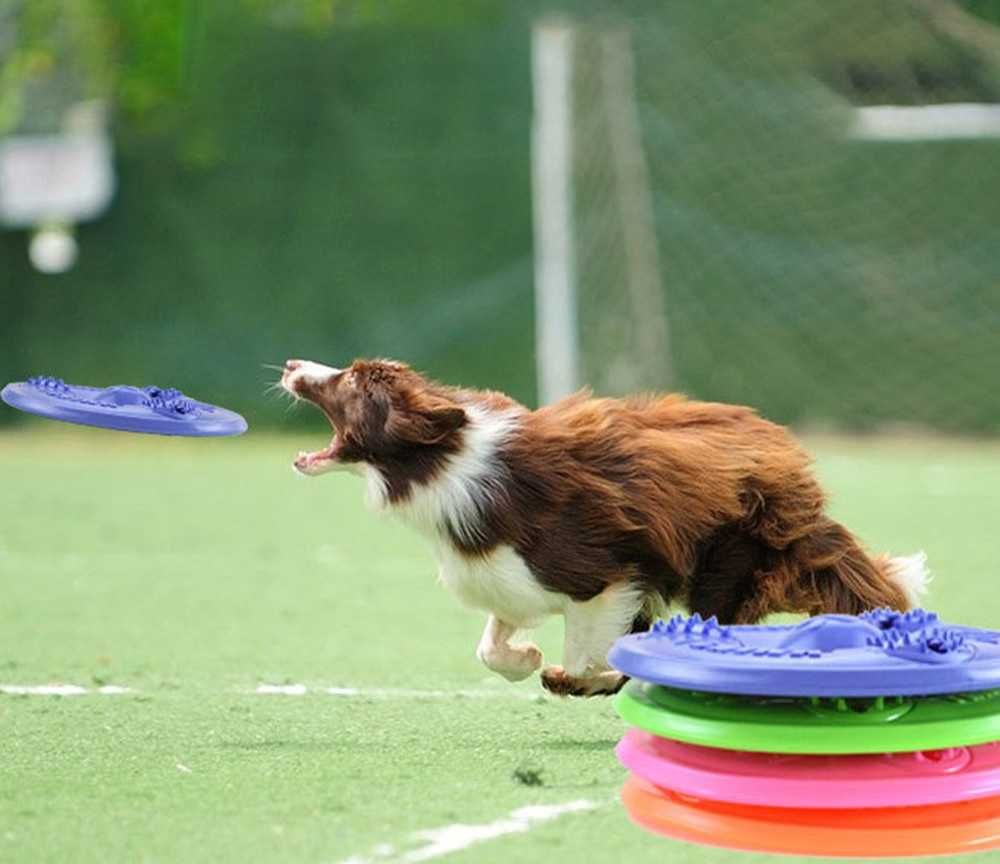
x,y
812,724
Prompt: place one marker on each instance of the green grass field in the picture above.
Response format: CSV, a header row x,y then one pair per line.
x,y
194,571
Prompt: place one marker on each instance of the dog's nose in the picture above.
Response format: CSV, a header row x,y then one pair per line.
x,y
292,365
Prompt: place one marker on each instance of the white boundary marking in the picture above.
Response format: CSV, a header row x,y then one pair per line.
x,y
56,689
60,690
281,690
393,692
438,842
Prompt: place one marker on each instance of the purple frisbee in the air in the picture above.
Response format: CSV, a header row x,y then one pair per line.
x,y
153,410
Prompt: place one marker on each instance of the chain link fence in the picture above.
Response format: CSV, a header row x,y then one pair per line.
x,y
754,224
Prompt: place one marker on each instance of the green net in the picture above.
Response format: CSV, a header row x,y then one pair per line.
x,y
793,262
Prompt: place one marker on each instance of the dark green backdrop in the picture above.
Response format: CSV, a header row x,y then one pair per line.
x,y
365,190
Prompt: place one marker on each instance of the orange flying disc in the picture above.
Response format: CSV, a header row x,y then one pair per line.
x,y
883,832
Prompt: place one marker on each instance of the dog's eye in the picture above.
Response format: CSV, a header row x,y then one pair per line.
x,y
351,379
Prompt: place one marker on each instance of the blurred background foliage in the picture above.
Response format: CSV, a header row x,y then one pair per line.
x,y
331,178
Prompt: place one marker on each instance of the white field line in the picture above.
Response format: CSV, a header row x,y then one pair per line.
x,y
285,690
281,690
438,842
61,690
393,692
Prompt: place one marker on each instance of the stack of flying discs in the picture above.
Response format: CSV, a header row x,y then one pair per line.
x,y
842,736
154,410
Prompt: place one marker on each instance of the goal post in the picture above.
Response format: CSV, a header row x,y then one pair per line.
x,y
587,139
556,339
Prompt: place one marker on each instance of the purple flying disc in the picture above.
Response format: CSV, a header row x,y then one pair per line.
x,y
879,653
153,410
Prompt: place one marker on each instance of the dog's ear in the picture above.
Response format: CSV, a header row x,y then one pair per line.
x,y
424,420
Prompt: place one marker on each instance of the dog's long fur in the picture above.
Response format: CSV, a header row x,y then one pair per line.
x,y
603,510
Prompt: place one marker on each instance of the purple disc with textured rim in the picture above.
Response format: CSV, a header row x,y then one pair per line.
x,y
153,410
879,653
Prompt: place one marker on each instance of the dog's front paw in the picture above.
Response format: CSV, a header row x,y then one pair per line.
x,y
513,662
529,660
559,682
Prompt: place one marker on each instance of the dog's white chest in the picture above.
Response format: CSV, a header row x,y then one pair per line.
x,y
499,582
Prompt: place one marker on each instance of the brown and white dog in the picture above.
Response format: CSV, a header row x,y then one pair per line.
x,y
603,511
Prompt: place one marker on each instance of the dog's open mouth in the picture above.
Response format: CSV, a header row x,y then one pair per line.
x,y
319,461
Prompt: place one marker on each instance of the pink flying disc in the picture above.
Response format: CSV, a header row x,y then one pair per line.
x,y
827,782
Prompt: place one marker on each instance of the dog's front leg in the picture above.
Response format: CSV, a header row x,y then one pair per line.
x,y
514,662
591,629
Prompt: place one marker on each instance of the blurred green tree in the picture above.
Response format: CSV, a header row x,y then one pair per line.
x,y
138,54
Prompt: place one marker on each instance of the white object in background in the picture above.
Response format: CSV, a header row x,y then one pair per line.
x,y
52,249
926,122
57,178
51,182
556,341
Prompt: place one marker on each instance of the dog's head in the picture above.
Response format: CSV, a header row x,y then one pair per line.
x,y
382,413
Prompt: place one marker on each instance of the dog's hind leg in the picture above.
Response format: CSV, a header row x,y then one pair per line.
x,y
725,583
514,662
591,629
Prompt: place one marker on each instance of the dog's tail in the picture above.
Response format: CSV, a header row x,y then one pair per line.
x,y
910,573
843,578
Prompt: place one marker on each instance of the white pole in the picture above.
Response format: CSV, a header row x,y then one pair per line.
x,y
552,170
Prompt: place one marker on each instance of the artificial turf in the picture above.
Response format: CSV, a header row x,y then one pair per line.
x,y
193,571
